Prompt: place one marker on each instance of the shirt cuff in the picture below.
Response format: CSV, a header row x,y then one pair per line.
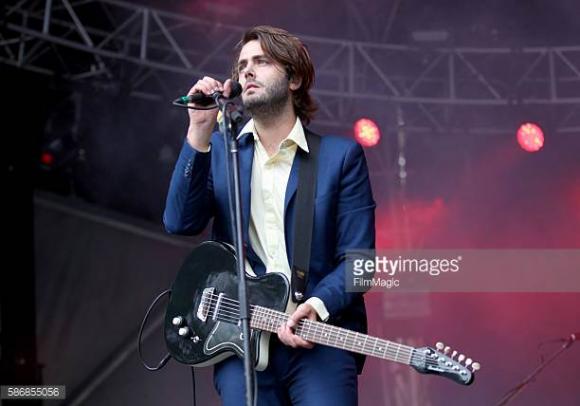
x,y
198,150
319,307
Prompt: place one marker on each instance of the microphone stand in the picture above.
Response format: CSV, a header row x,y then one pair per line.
x,y
232,118
512,393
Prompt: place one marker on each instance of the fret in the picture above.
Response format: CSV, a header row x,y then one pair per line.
x,y
348,336
272,322
337,340
389,351
317,337
327,335
357,340
267,319
381,347
365,342
341,337
386,350
308,333
300,330
323,334
374,346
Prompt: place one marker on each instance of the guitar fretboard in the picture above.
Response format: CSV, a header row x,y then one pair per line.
x,y
320,333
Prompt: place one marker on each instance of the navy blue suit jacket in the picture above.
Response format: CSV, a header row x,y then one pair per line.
x,y
343,214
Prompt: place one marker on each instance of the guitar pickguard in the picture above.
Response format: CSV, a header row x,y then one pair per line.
x,y
208,278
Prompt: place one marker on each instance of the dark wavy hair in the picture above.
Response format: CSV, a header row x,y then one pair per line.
x,y
290,52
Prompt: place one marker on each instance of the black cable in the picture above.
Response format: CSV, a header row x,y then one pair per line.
x,y
167,357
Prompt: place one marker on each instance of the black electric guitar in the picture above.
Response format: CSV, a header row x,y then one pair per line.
x,y
201,322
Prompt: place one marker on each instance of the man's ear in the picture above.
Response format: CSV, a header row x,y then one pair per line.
x,y
295,82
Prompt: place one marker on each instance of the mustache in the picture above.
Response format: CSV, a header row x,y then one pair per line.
x,y
252,83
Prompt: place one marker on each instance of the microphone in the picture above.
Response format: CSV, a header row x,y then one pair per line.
x,y
201,99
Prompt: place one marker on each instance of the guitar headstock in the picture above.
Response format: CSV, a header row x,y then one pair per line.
x,y
441,361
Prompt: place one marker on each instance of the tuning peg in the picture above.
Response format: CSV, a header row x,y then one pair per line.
x,y
453,354
446,350
439,345
476,366
468,362
461,357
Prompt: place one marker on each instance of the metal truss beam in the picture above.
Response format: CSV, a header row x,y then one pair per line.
x,y
150,51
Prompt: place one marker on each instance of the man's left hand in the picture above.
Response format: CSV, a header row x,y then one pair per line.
x,y
285,332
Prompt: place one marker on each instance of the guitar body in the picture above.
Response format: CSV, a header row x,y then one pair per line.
x,y
205,340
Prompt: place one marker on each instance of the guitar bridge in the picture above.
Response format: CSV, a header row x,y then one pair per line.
x,y
205,304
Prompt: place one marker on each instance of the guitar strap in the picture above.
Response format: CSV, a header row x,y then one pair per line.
x,y
304,215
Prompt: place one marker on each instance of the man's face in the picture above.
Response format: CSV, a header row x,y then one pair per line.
x,y
264,81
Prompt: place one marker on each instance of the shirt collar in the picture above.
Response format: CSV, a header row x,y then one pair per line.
x,y
296,135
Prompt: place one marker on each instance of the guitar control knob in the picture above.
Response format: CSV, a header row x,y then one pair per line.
x,y
184,331
177,321
439,345
476,366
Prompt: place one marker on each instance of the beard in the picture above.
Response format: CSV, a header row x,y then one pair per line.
x,y
271,102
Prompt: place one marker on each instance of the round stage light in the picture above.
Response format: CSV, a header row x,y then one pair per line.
x,y
366,132
530,137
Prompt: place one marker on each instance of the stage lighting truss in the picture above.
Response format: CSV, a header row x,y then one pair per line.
x,y
155,54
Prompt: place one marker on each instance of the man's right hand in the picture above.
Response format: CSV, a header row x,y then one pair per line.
x,y
202,122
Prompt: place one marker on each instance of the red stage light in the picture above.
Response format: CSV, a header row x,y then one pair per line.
x,y
47,159
366,132
530,137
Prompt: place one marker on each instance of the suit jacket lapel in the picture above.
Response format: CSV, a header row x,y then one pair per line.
x,y
246,148
293,179
292,183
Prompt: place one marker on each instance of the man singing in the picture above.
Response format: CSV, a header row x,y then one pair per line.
x,y
276,74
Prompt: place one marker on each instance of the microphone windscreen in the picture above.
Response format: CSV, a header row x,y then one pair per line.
x,y
236,89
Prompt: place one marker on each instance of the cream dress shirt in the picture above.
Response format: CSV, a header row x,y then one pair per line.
x,y
268,189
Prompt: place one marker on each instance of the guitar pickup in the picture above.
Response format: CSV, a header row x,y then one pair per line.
x,y
205,304
217,307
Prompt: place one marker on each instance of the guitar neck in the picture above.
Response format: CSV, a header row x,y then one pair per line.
x,y
321,333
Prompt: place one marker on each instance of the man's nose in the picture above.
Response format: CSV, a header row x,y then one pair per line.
x,y
249,73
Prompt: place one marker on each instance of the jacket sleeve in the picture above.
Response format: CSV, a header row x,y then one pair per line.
x,y
355,229
190,199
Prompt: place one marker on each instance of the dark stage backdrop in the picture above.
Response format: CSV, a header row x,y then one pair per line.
x,y
96,275
98,271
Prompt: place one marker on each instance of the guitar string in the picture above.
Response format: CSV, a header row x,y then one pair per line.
x,y
353,342
407,351
410,352
346,339
350,340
